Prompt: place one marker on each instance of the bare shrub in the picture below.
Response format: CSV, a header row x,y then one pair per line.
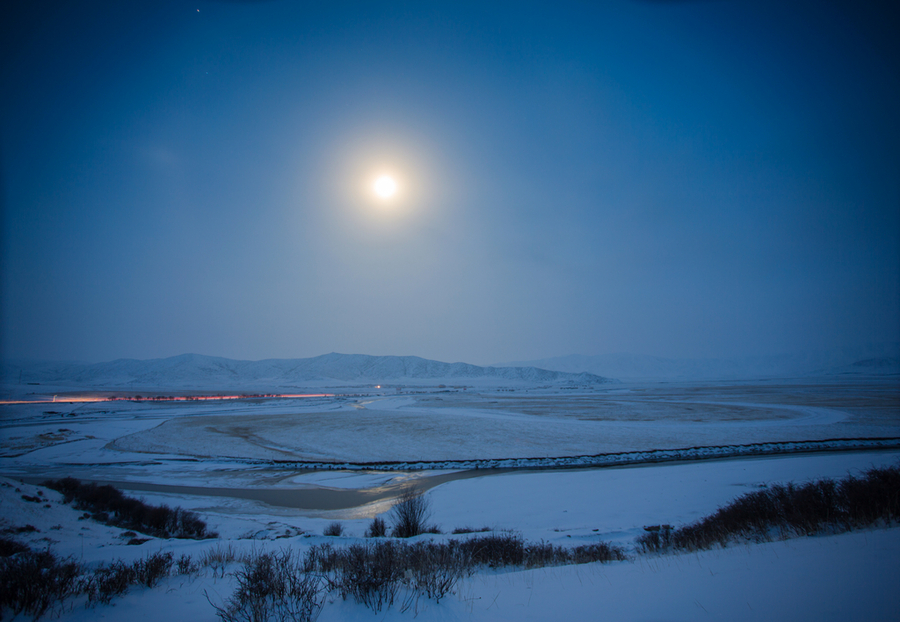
x,y
873,497
410,513
374,574
8,547
495,550
153,569
322,558
109,581
467,529
219,554
655,539
185,565
597,552
433,569
377,528
34,582
218,558
110,506
334,529
370,574
274,587
509,549
786,510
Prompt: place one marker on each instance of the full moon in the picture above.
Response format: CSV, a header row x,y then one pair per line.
x,y
385,187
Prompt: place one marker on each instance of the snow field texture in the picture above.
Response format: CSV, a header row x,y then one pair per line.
x,y
822,578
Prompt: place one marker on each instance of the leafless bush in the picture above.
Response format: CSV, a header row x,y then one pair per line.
x,y
410,513
114,579
109,581
35,582
153,569
377,528
495,550
509,549
655,539
334,529
274,587
783,511
109,505
873,497
597,552
433,569
368,574
8,547
321,558
186,565
374,574
218,558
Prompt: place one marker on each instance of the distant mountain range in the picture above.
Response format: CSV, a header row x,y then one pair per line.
x,y
194,371
198,372
881,360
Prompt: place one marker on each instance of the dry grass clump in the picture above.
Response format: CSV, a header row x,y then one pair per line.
x,y
220,555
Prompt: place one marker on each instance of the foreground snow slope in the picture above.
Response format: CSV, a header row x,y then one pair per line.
x,y
848,576
837,578
562,507
822,578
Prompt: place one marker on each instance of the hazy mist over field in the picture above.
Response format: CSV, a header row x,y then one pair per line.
x,y
677,179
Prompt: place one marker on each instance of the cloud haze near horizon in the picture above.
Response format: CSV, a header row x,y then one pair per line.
x,y
685,179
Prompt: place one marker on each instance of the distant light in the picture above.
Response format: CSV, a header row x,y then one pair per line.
x,y
385,187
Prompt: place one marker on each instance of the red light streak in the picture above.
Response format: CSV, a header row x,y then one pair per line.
x,y
168,398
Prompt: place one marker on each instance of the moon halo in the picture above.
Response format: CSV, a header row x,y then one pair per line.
x,y
385,186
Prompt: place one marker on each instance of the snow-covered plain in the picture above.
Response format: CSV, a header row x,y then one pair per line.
x,y
176,454
850,576
419,424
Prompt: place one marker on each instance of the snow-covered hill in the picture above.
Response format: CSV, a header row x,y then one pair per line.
x,y
208,372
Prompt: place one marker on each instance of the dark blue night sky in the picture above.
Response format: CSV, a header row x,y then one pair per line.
x,y
707,178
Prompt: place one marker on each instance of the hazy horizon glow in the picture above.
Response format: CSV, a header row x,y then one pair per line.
x,y
694,179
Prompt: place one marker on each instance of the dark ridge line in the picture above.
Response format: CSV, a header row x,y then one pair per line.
x,y
709,452
591,461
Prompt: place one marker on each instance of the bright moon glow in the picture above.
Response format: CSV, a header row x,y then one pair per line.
x,y
385,187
